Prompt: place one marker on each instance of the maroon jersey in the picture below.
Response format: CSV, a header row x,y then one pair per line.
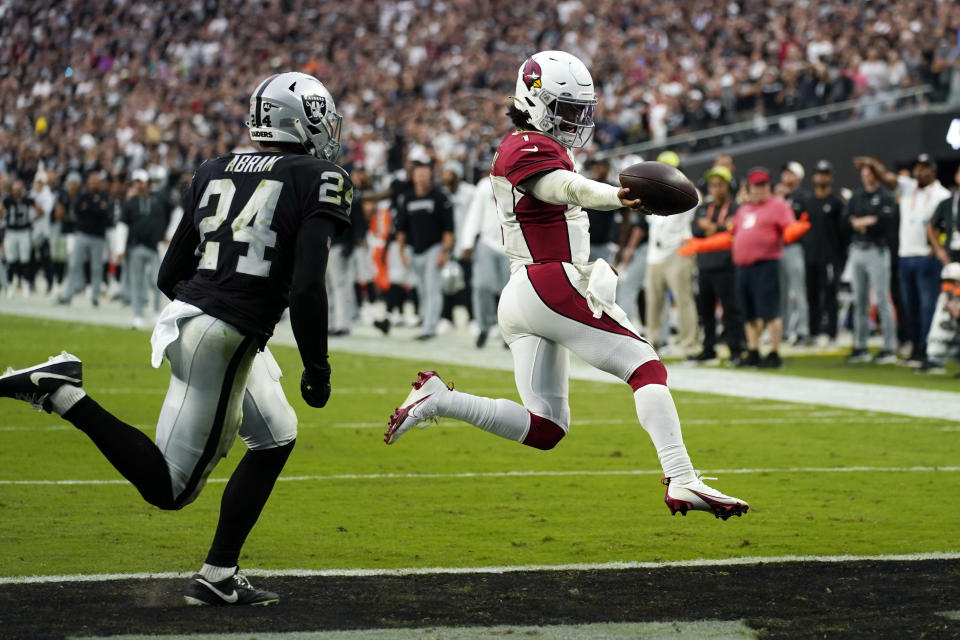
x,y
535,231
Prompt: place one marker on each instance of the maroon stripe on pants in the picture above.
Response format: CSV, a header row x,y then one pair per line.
x,y
551,283
652,372
543,433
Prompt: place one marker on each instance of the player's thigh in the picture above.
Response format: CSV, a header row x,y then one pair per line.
x,y
541,369
210,362
542,301
268,419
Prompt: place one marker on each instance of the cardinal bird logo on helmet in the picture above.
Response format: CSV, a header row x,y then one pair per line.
x,y
531,73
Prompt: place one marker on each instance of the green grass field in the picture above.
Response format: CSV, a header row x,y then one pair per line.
x,y
349,501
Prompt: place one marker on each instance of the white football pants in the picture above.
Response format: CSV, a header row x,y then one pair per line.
x,y
219,387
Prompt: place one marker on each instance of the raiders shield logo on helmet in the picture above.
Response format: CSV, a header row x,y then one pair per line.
x,y
315,107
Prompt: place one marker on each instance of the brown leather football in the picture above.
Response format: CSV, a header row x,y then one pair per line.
x,y
663,189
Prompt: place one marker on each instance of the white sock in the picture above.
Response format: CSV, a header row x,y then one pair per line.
x,y
503,417
63,399
658,416
216,574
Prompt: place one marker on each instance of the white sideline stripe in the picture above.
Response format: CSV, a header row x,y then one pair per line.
x,y
815,417
457,349
382,424
523,474
413,571
844,418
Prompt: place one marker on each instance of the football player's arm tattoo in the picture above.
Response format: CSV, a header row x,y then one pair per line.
x,y
308,295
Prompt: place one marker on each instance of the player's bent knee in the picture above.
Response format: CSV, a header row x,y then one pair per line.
x,y
652,372
273,458
543,434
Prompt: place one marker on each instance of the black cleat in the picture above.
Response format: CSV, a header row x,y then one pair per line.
x,y
235,590
383,325
35,384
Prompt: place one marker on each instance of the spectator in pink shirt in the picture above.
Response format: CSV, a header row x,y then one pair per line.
x,y
757,246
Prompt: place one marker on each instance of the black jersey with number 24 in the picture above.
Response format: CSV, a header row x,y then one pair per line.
x,y
247,210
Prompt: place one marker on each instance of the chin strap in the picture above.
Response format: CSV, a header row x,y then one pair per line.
x,y
305,139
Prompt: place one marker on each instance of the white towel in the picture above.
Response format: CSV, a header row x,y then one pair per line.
x,y
601,292
168,328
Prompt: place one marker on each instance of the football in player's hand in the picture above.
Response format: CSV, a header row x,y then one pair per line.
x,y
663,190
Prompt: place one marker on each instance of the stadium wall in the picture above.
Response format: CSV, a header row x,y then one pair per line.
x,y
894,138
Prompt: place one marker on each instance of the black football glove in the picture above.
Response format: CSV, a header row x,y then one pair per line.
x,y
315,388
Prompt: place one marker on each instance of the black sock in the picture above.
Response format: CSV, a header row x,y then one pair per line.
x,y
243,500
754,353
127,448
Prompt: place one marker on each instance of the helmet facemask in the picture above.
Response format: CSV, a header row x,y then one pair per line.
x,y
572,120
322,139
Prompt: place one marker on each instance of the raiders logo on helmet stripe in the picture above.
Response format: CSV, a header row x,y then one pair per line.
x,y
315,107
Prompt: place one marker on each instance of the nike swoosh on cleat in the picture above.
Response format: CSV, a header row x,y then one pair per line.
x,y
35,378
226,598
533,149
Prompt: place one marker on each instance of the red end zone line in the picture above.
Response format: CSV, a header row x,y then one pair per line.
x,y
603,566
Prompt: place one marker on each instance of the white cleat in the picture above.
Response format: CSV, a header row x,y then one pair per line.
x,y
698,496
420,406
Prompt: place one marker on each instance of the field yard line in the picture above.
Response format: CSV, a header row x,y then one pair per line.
x,y
602,566
457,349
812,419
518,474
830,420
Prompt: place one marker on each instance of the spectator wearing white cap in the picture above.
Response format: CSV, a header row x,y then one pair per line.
x,y
794,310
144,217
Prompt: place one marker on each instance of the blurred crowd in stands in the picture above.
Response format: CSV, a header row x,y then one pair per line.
x,y
119,85
108,106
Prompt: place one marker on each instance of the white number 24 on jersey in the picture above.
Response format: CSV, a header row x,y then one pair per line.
x,y
251,226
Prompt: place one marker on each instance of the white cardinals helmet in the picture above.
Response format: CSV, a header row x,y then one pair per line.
x,y
295,107
556,91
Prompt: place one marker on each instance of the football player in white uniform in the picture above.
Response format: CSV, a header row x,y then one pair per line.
x,y
555,301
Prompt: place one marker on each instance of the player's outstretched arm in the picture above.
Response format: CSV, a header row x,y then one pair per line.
x,y
308,308
566,187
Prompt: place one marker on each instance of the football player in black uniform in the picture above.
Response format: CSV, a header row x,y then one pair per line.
x,y
253,240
